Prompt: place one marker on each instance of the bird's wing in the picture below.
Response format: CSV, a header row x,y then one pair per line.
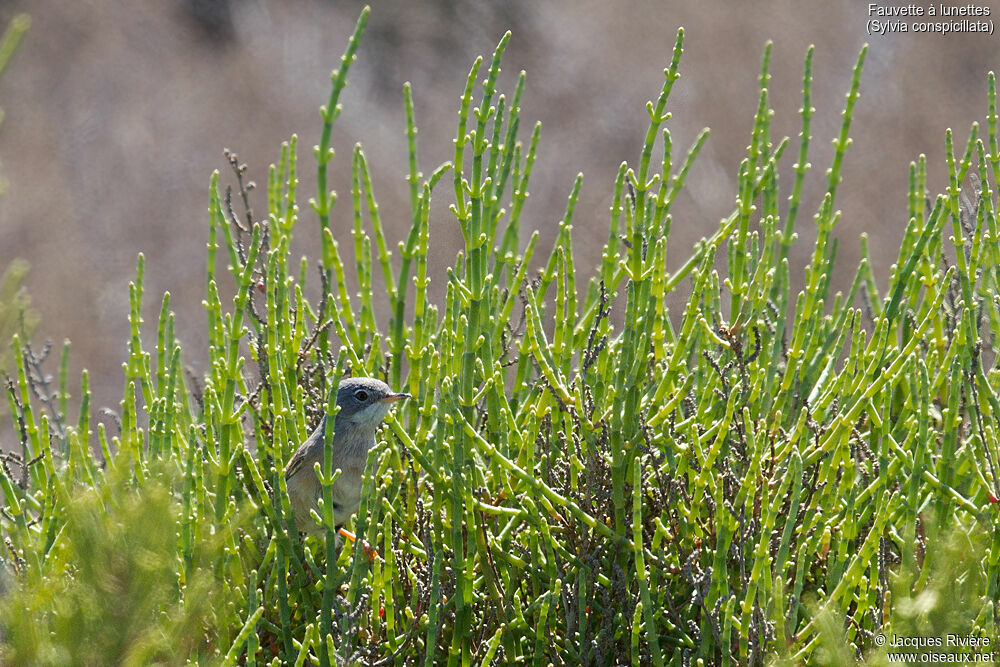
x,y
299,457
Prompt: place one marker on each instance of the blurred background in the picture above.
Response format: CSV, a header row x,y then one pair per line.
x,y
116,113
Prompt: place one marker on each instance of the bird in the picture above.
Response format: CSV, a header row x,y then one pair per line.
x,y
364,402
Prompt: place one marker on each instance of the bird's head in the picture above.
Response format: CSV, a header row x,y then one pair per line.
x,y
364,402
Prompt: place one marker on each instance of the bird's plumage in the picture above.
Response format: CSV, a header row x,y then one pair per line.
x,y
364,403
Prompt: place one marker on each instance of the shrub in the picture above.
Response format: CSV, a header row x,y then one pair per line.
x,y
763,476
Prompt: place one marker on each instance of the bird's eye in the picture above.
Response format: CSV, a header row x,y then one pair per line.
x,y
361,395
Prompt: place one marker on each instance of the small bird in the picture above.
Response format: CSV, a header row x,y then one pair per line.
x,y
364,403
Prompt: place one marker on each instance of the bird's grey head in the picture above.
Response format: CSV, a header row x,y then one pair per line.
x,y
364,403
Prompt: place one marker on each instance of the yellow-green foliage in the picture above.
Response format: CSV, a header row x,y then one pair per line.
x,y
761,476
15,311
114,587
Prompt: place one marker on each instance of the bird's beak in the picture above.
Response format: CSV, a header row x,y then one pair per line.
x,y
392,398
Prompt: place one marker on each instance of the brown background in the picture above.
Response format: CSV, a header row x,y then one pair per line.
x,y
117,113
